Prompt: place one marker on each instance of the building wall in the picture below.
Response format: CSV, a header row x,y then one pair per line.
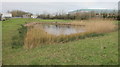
x,y
26,16
6,15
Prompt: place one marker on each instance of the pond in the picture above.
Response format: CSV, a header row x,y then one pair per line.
x,y
60,29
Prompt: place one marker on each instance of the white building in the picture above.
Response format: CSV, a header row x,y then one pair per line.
x,y
34,16
6,15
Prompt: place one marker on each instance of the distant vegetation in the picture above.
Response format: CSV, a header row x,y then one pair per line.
x,y
73,16
79,16
18,13
83,14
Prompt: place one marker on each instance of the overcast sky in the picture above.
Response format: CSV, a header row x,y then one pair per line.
x,y
53,6
60,0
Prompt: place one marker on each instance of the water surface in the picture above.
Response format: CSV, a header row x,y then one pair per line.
x,y
60,29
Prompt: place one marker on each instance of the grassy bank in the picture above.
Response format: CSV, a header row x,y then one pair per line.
x,y
0,43
97,50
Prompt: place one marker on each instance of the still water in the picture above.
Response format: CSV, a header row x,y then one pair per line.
x,y
60,29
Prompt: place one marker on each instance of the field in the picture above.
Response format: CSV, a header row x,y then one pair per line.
x,y
101,50
0,43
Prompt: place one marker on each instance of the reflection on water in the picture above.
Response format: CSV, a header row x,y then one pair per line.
x,y
60,29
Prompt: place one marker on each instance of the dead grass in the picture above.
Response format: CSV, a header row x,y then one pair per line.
x,y
100,27
35,37
97,25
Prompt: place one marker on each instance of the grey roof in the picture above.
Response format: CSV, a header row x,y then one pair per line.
x,y
95,10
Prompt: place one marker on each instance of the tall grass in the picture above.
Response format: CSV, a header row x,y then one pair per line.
x,y
97,25
36,36
100,27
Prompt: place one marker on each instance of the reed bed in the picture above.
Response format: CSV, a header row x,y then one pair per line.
x,y
97,25
36,37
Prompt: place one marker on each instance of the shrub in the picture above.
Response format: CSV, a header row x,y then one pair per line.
x,y
18,40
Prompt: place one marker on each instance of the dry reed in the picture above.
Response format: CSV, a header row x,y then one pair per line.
x,y
35,37
97,25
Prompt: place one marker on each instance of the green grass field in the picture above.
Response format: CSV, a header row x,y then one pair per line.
x,y
102,50
0,43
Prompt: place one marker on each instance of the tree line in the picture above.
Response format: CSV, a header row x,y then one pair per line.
x,y
72,16
18,13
